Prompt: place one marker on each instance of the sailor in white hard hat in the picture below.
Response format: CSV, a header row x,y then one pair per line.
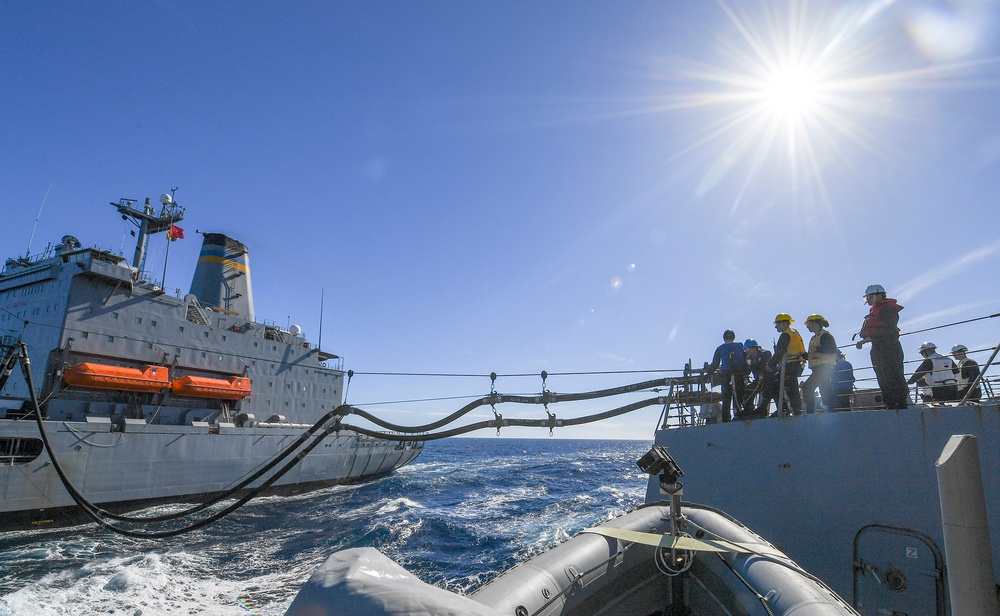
x,y
937,375
881,330
968,372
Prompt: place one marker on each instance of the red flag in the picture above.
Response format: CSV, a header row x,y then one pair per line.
x,y
175,233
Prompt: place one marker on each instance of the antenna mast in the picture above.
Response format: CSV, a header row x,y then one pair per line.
x,y
319,343
31,238
149,222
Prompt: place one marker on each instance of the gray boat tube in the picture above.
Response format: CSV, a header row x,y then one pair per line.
x,y
594,572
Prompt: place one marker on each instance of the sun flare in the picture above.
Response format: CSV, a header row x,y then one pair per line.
x,y
791,93
794,89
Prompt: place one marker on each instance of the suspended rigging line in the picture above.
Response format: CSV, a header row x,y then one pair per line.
x,y
927,329
515,374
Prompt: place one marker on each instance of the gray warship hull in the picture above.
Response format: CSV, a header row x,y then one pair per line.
x,y
123,471
851,496
151,398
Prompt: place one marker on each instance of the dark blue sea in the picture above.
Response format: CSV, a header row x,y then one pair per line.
x,y
463,512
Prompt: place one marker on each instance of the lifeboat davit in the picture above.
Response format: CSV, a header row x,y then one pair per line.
x,y
150,379
235,388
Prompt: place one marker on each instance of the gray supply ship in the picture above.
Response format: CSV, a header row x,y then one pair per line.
x,y
147,398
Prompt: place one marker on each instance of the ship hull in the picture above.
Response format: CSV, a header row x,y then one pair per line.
x,y
152,464
853,497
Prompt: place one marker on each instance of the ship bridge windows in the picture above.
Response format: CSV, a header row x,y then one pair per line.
x,y
19,450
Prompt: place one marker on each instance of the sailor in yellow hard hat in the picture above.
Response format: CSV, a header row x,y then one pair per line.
x,y
822,356
789,350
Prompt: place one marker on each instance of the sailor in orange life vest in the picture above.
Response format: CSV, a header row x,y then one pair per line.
x,y
822,356
880,329
789,349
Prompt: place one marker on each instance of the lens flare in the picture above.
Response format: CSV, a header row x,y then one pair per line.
x,y
796,89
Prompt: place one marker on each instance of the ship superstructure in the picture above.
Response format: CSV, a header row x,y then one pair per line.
x,y
149,397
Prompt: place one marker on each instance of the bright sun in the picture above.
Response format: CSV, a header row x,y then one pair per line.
x,y
787,82
791,93
794,88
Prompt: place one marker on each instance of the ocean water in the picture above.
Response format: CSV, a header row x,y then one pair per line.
x,y
463,512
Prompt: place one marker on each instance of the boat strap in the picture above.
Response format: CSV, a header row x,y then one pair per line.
x,y
685,543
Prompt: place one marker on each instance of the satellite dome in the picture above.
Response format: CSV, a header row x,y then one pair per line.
x,y
295,330
166,199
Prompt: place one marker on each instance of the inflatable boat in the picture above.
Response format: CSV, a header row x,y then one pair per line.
x,y
645,562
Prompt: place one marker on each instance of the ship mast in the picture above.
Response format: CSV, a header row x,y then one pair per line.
x,y
149,222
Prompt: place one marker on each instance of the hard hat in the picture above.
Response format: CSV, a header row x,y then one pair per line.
x,y
927,346
874,288
817,317
955,349
750,344
729,335
782,316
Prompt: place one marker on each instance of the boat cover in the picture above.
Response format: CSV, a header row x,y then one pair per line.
x,y
364,581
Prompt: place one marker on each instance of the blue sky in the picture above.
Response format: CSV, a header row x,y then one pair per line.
x,y
522,186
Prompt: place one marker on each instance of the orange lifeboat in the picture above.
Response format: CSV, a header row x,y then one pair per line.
x,y
150,379
235,388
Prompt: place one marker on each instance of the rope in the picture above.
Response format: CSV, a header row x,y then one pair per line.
x,y
518,374
927,329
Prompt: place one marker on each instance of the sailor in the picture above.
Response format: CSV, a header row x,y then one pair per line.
x,y
730,364
787,360
880,329
843,382
763,384
968,372
822,356
937,374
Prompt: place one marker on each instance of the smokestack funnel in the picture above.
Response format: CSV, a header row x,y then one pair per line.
x,y
222,276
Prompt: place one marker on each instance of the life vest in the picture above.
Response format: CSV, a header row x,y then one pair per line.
x,y
795,346
874,325
962,381
942,373
815,357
